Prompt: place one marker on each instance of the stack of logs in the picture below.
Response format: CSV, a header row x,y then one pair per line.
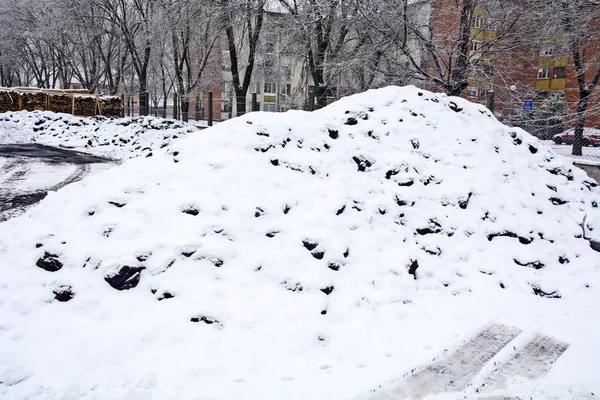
x,y
76,102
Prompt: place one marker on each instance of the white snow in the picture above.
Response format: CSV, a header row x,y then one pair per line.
x,y
116,138
39,176
440,178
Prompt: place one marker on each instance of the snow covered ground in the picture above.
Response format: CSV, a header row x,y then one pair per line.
x,y
115,138
324,256
29,171
591,155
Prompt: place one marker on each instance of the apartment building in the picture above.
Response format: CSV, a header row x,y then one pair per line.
x,y
522,72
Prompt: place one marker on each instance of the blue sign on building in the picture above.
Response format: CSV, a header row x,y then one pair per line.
x,y
527,106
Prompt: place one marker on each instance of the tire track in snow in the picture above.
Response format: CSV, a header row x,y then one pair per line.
x,y
81,171
12,173
529,364
453,372
18,168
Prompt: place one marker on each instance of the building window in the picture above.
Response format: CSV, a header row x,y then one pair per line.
x,y
544,73
270,107
255,87
475,46
270,87
477,21
482,69
483,93
225,106
488,70
286,89
472,91
546,49
560,72
270,48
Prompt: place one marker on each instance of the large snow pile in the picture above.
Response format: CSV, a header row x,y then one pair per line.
x,y
116,138
300,256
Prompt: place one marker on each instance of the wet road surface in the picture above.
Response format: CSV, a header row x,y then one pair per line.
x,y
29,171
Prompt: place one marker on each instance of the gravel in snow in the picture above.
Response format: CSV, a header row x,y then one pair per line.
x,y
115,138
302,256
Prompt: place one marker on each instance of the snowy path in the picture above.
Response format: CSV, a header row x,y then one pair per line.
x,y
457,372
29,171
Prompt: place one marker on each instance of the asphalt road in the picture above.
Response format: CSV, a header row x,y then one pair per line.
x,y
29,171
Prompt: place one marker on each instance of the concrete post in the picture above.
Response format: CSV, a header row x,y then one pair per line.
x,y
210,108
491,98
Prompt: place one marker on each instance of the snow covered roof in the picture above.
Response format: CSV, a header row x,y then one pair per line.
x,y
299,255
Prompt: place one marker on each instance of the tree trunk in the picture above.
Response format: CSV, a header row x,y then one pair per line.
x,y
580,124
240,103
185,108
456,88
321,95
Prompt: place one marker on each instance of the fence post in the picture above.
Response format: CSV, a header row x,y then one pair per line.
x,y
123,105
311,98
254,102
491,98
175,108
210,108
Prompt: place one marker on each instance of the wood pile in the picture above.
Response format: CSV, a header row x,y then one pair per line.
x,y
60,103
78,101
33,101
9,101
110,106
85,106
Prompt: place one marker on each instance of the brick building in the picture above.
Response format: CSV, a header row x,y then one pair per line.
x,y
521,72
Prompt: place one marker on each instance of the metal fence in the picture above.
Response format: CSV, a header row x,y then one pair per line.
x,y
561,137
555,127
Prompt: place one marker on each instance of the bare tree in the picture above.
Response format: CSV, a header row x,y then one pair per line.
x,y
136,20
193,37
579,21
242,21
442,41
325,29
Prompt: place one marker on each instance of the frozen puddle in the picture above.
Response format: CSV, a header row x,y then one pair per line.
x,y
531,363
455,372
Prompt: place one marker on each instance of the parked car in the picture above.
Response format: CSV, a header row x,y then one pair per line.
x,y
591,137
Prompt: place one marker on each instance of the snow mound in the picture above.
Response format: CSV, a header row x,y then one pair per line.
x,y
253,258
115,138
